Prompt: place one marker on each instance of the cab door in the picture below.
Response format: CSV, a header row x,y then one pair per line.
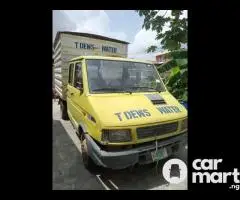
x,y
77,94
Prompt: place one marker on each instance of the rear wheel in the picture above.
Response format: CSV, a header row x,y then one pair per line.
x,y
63,107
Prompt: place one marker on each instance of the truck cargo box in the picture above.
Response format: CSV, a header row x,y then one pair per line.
x,y
68,45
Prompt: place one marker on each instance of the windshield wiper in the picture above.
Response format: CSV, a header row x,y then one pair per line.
x,y
107,89
136,87
113,90
127,89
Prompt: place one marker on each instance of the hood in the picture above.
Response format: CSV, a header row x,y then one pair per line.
x,y
135,109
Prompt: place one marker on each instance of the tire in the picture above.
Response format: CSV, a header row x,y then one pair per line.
x,y
181,153
63,107
87,160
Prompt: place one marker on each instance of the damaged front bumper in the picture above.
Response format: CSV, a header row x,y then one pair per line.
x,y
140,154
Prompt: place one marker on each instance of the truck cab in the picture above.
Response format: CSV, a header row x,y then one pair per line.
x,y
122,112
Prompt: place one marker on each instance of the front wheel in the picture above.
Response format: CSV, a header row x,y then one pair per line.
x,y
87,160
181,153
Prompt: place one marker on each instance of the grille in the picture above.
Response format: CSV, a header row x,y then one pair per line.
x,y
156,130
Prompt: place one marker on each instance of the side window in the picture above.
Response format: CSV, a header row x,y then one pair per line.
x,y
70,75
78,81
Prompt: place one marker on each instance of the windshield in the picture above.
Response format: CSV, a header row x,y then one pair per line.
x,y
107,76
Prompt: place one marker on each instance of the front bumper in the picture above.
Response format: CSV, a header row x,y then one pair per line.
x,y
127,158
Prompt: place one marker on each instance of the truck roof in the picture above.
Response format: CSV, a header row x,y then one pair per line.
x,y
110,58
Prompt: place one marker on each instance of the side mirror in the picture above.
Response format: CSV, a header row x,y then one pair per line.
x,y
80,91
80,87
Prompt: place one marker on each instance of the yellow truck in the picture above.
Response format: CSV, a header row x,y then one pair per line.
x,y
122,112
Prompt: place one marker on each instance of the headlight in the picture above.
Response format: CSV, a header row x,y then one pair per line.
x,y
184,124
116,135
